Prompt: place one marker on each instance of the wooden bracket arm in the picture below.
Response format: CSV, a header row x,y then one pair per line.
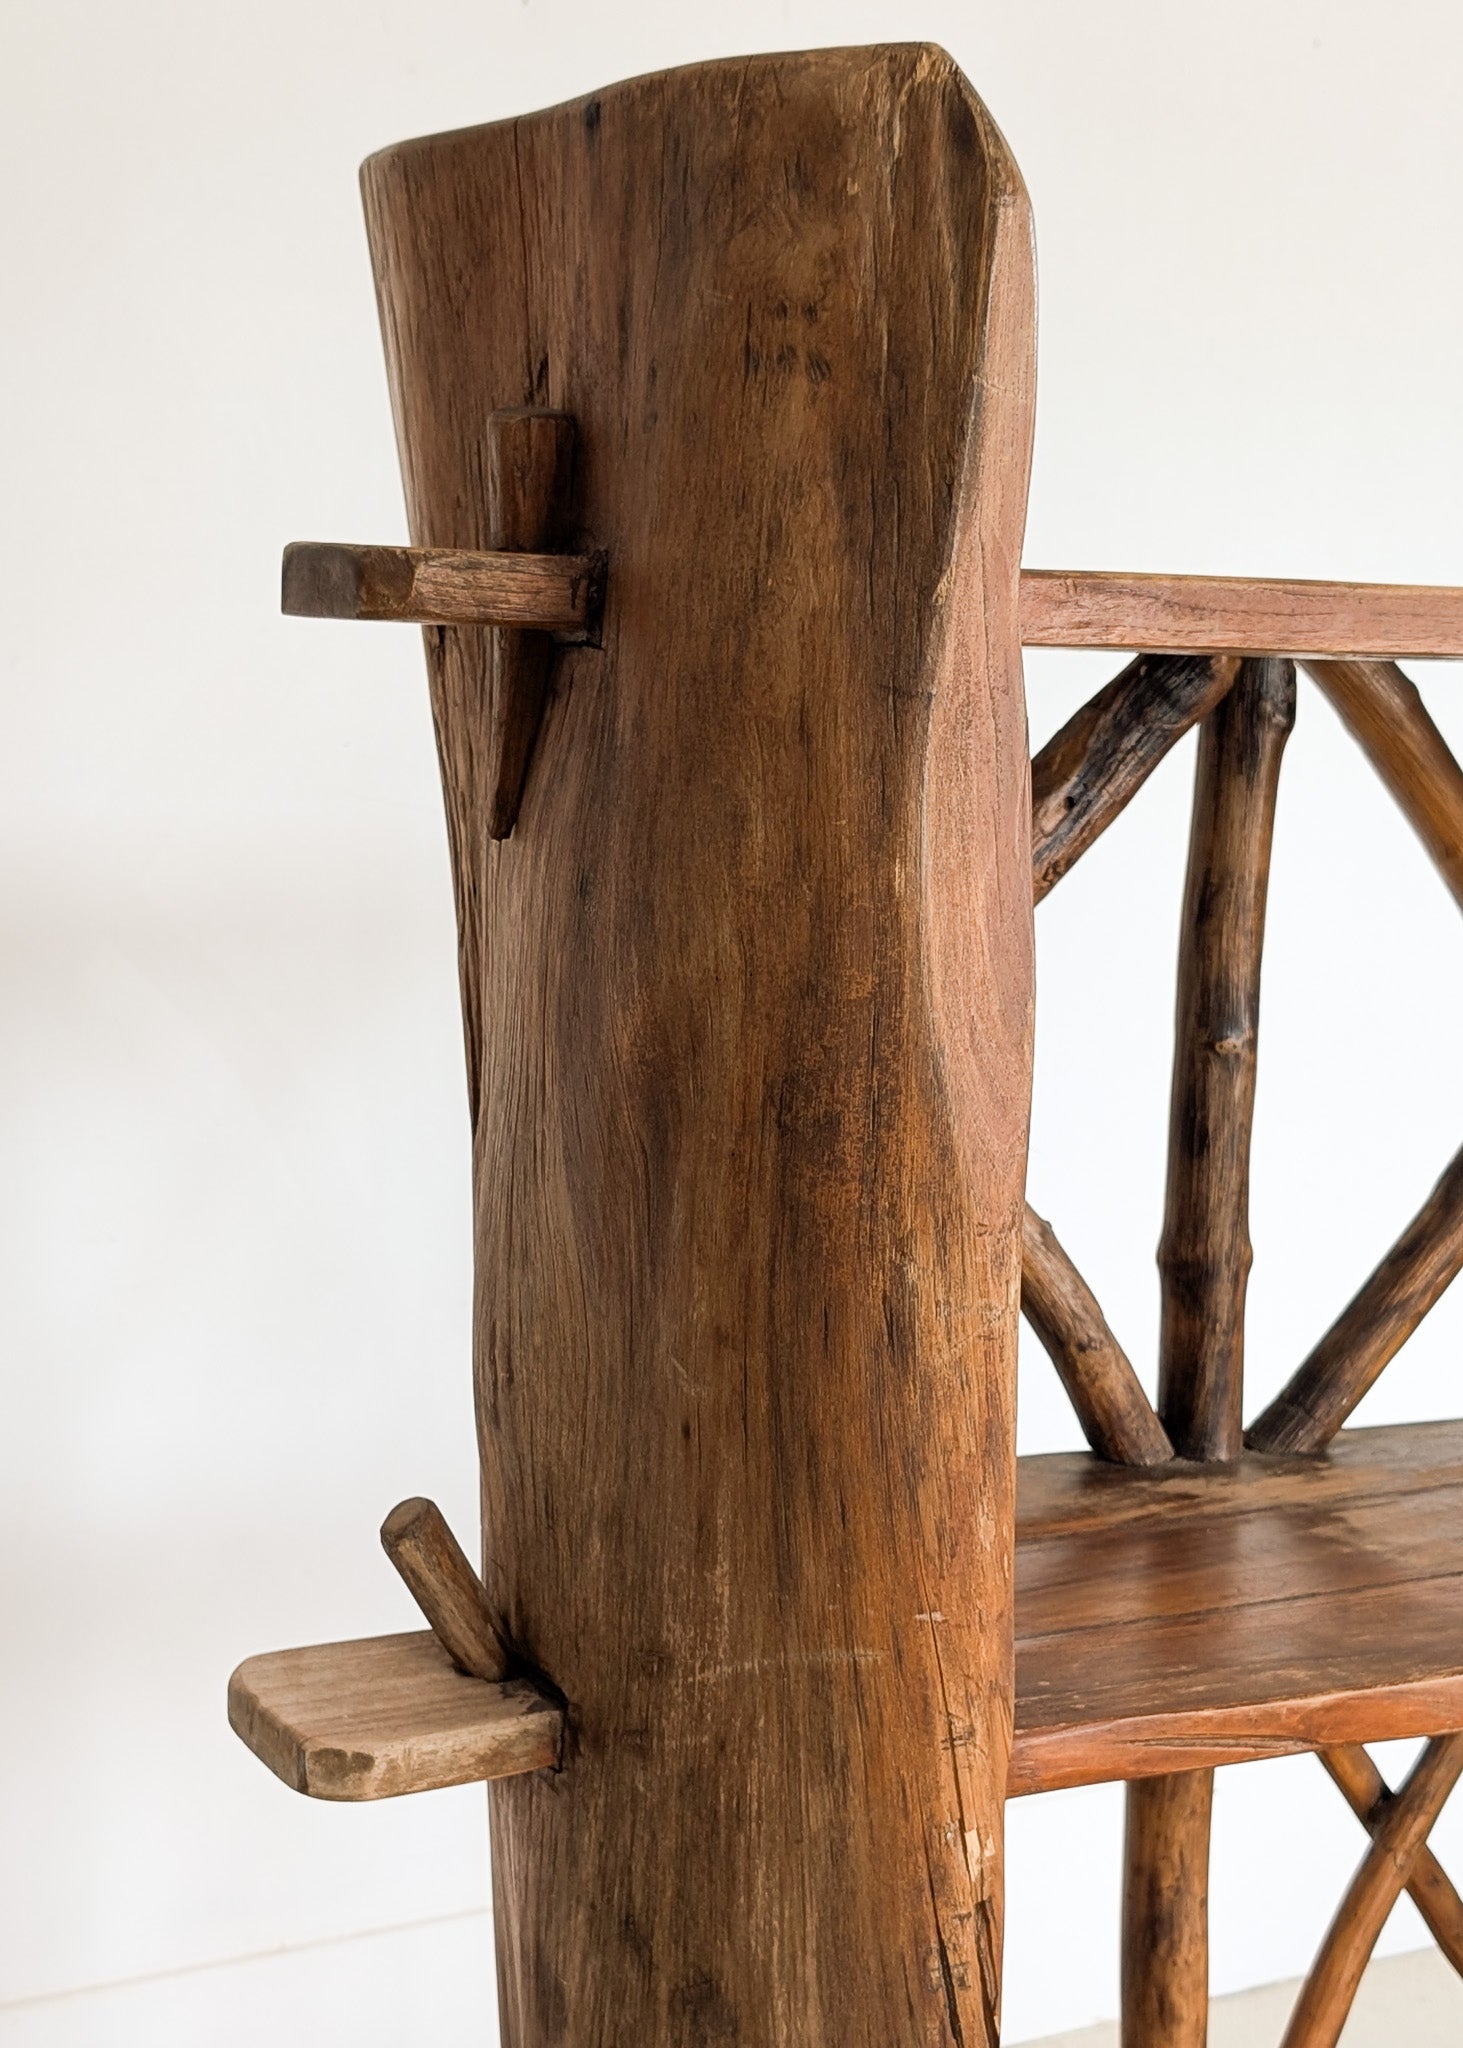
x,y
547,593
388,1715
409,1713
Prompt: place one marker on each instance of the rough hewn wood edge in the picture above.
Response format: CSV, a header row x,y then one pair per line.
x,y
1094,1753
1239,615
442,586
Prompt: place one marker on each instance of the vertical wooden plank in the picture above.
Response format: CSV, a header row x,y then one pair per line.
x,y
749,1000
1204,1254
1166,1911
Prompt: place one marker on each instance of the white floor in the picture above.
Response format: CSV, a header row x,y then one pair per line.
x,y
1411,2001
434,1983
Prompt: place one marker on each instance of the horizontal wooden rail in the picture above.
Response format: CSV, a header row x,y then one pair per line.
x,y
1059,607
442,586
1238,615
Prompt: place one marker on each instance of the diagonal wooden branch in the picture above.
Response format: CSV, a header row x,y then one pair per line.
x,y
1204,1253
1116,1415
1361,1784
1372,1328
1096,764
1327,1994
1383,712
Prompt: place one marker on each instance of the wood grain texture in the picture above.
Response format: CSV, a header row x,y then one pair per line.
x,y
1067,1491
1091,770
1383,711
1327,1995
748,999
1116,1415
1175,1617
1165,1965
387,1715
1351,1769
1238,615
1204,1253
444,586
530,484
1372,1328
416,1538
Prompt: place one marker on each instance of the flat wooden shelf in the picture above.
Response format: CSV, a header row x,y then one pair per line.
x,y
1167,1618
1173,1617
386,1715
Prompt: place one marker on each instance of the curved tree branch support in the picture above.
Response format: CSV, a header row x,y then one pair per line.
x,y
1397,1843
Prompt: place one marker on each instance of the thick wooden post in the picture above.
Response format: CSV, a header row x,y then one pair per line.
x,y
748,1001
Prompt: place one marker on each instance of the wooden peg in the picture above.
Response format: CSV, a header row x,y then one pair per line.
x,y
558,594
530,467
416,1538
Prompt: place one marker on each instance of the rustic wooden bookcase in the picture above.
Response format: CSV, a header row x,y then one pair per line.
x,y
714,400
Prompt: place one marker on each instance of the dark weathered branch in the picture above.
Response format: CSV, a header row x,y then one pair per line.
x,y
1372,1328
1096,764
1362,1786
1204,1254
1383,712
1327,1994
1116,1415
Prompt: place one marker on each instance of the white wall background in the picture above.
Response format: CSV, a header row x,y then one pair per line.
x,y
233,1213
